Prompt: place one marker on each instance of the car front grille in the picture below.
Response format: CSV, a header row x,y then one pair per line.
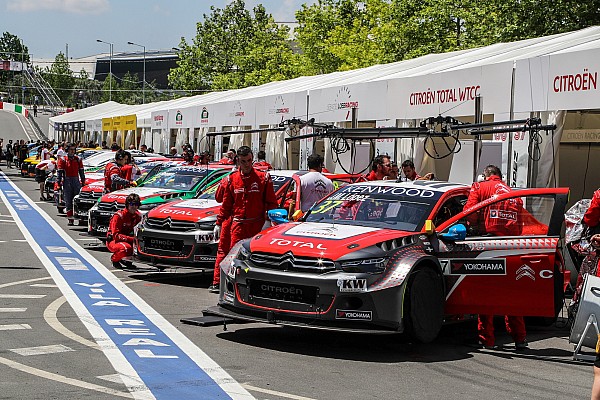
x,y
289,262
168,224
90,195
110,207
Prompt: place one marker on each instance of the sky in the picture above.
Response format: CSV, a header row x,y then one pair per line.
x,y
47,26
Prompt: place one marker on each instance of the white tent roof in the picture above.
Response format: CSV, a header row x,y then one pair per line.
x,y
419,68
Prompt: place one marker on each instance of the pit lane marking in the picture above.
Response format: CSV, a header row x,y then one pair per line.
x,y
276,393
12,310
62,379
14,327
193,368
4,285
40,350
22,296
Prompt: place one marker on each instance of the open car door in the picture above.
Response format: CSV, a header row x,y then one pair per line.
x,y
519,274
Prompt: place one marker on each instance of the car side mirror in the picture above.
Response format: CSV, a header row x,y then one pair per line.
x,y
278,216
455,232
297,215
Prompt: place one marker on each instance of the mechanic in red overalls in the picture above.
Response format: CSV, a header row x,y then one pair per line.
x,y
494,225
114,173
119,238
589,265
247,197
71,178
261,163
380,168
224,241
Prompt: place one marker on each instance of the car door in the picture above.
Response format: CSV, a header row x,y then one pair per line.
x,y
506,275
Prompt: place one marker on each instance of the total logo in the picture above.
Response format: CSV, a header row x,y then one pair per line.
x,y
297,243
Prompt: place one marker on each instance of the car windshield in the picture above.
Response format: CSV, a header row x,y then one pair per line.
x,y
391,207
179,178
279,181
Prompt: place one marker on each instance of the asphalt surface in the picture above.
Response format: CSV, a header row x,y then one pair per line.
x,y
270,362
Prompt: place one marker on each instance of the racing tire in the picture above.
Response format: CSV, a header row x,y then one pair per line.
x,y
424,306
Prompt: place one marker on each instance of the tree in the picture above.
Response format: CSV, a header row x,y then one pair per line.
x,y
12,48
234,48
60,77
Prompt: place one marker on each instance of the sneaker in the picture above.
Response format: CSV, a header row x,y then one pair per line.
x,y
117,264
214,288
522,345
128,265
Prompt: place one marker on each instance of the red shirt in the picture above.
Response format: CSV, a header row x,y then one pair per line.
x,y
592,216
70,166
121,225
247,197
372,176
226,160
263,164
111,170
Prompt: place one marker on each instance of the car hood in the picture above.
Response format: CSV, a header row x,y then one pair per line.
x,y
96,186
187,210
145,193
325,240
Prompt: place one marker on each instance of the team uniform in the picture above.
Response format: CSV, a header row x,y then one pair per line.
x,y
314,186
246,199
225,240
71,177
115,177
500,219
119,238
262,165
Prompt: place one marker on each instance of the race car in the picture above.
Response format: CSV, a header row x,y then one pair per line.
x,y
179,182
369,258
90,194
181,232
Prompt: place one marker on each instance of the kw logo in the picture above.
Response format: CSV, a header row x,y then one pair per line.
x,y
352,285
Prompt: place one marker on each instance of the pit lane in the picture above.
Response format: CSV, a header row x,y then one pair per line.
x,y
273,362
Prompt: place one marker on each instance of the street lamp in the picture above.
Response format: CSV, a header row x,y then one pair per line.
x,y
144,77
109,68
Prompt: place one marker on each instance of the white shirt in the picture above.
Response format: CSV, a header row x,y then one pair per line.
x,y
45,154
61,152
313,187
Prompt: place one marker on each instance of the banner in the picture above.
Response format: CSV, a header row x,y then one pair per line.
x,y
182,118
107,124
335,104
159,119
129,122
117,123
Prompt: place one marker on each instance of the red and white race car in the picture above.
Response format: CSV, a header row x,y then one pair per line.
x,y
369,258
180,233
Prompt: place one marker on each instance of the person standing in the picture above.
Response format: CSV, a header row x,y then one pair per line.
x,y
120,235
380,168
247,197
71,178
261,162
9,153
410,173
495,224
314,185
224,241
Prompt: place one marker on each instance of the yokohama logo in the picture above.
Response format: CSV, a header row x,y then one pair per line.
x,y
354,315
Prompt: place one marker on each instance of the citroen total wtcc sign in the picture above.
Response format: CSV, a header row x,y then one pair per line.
x,y
476,266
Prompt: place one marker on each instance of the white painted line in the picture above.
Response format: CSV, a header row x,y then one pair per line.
x,y
10,310
43,285
22,296
276,393
39,350
87,239
14,327
115,378
23,282
63,379
2,241
51,318
58,249
8,221
19,240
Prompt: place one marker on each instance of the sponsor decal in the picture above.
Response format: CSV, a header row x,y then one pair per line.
x,y
354,315
265,287
205,258
158,118
525,271
204,116
228,297
175,212
327,231
501,214
478,266
179,118
366,191
352,285
575,82
546,274
297,243
253,188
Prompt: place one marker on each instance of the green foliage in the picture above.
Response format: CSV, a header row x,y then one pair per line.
x,y
61,78
235,48
12,48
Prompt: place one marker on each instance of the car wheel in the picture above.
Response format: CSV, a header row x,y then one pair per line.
x,y
424,305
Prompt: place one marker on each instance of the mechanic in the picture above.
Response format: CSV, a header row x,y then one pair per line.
x,y
494,225
42,171
188,157
261,163
119,238
410,174
248,195
71,178
224,244
314,185
115,175
380,168
130,169
229,158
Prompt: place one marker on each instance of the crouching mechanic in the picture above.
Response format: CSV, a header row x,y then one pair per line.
x,y
71,178
119,238
247,197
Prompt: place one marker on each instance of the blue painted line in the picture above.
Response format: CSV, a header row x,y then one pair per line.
x,y
139,342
